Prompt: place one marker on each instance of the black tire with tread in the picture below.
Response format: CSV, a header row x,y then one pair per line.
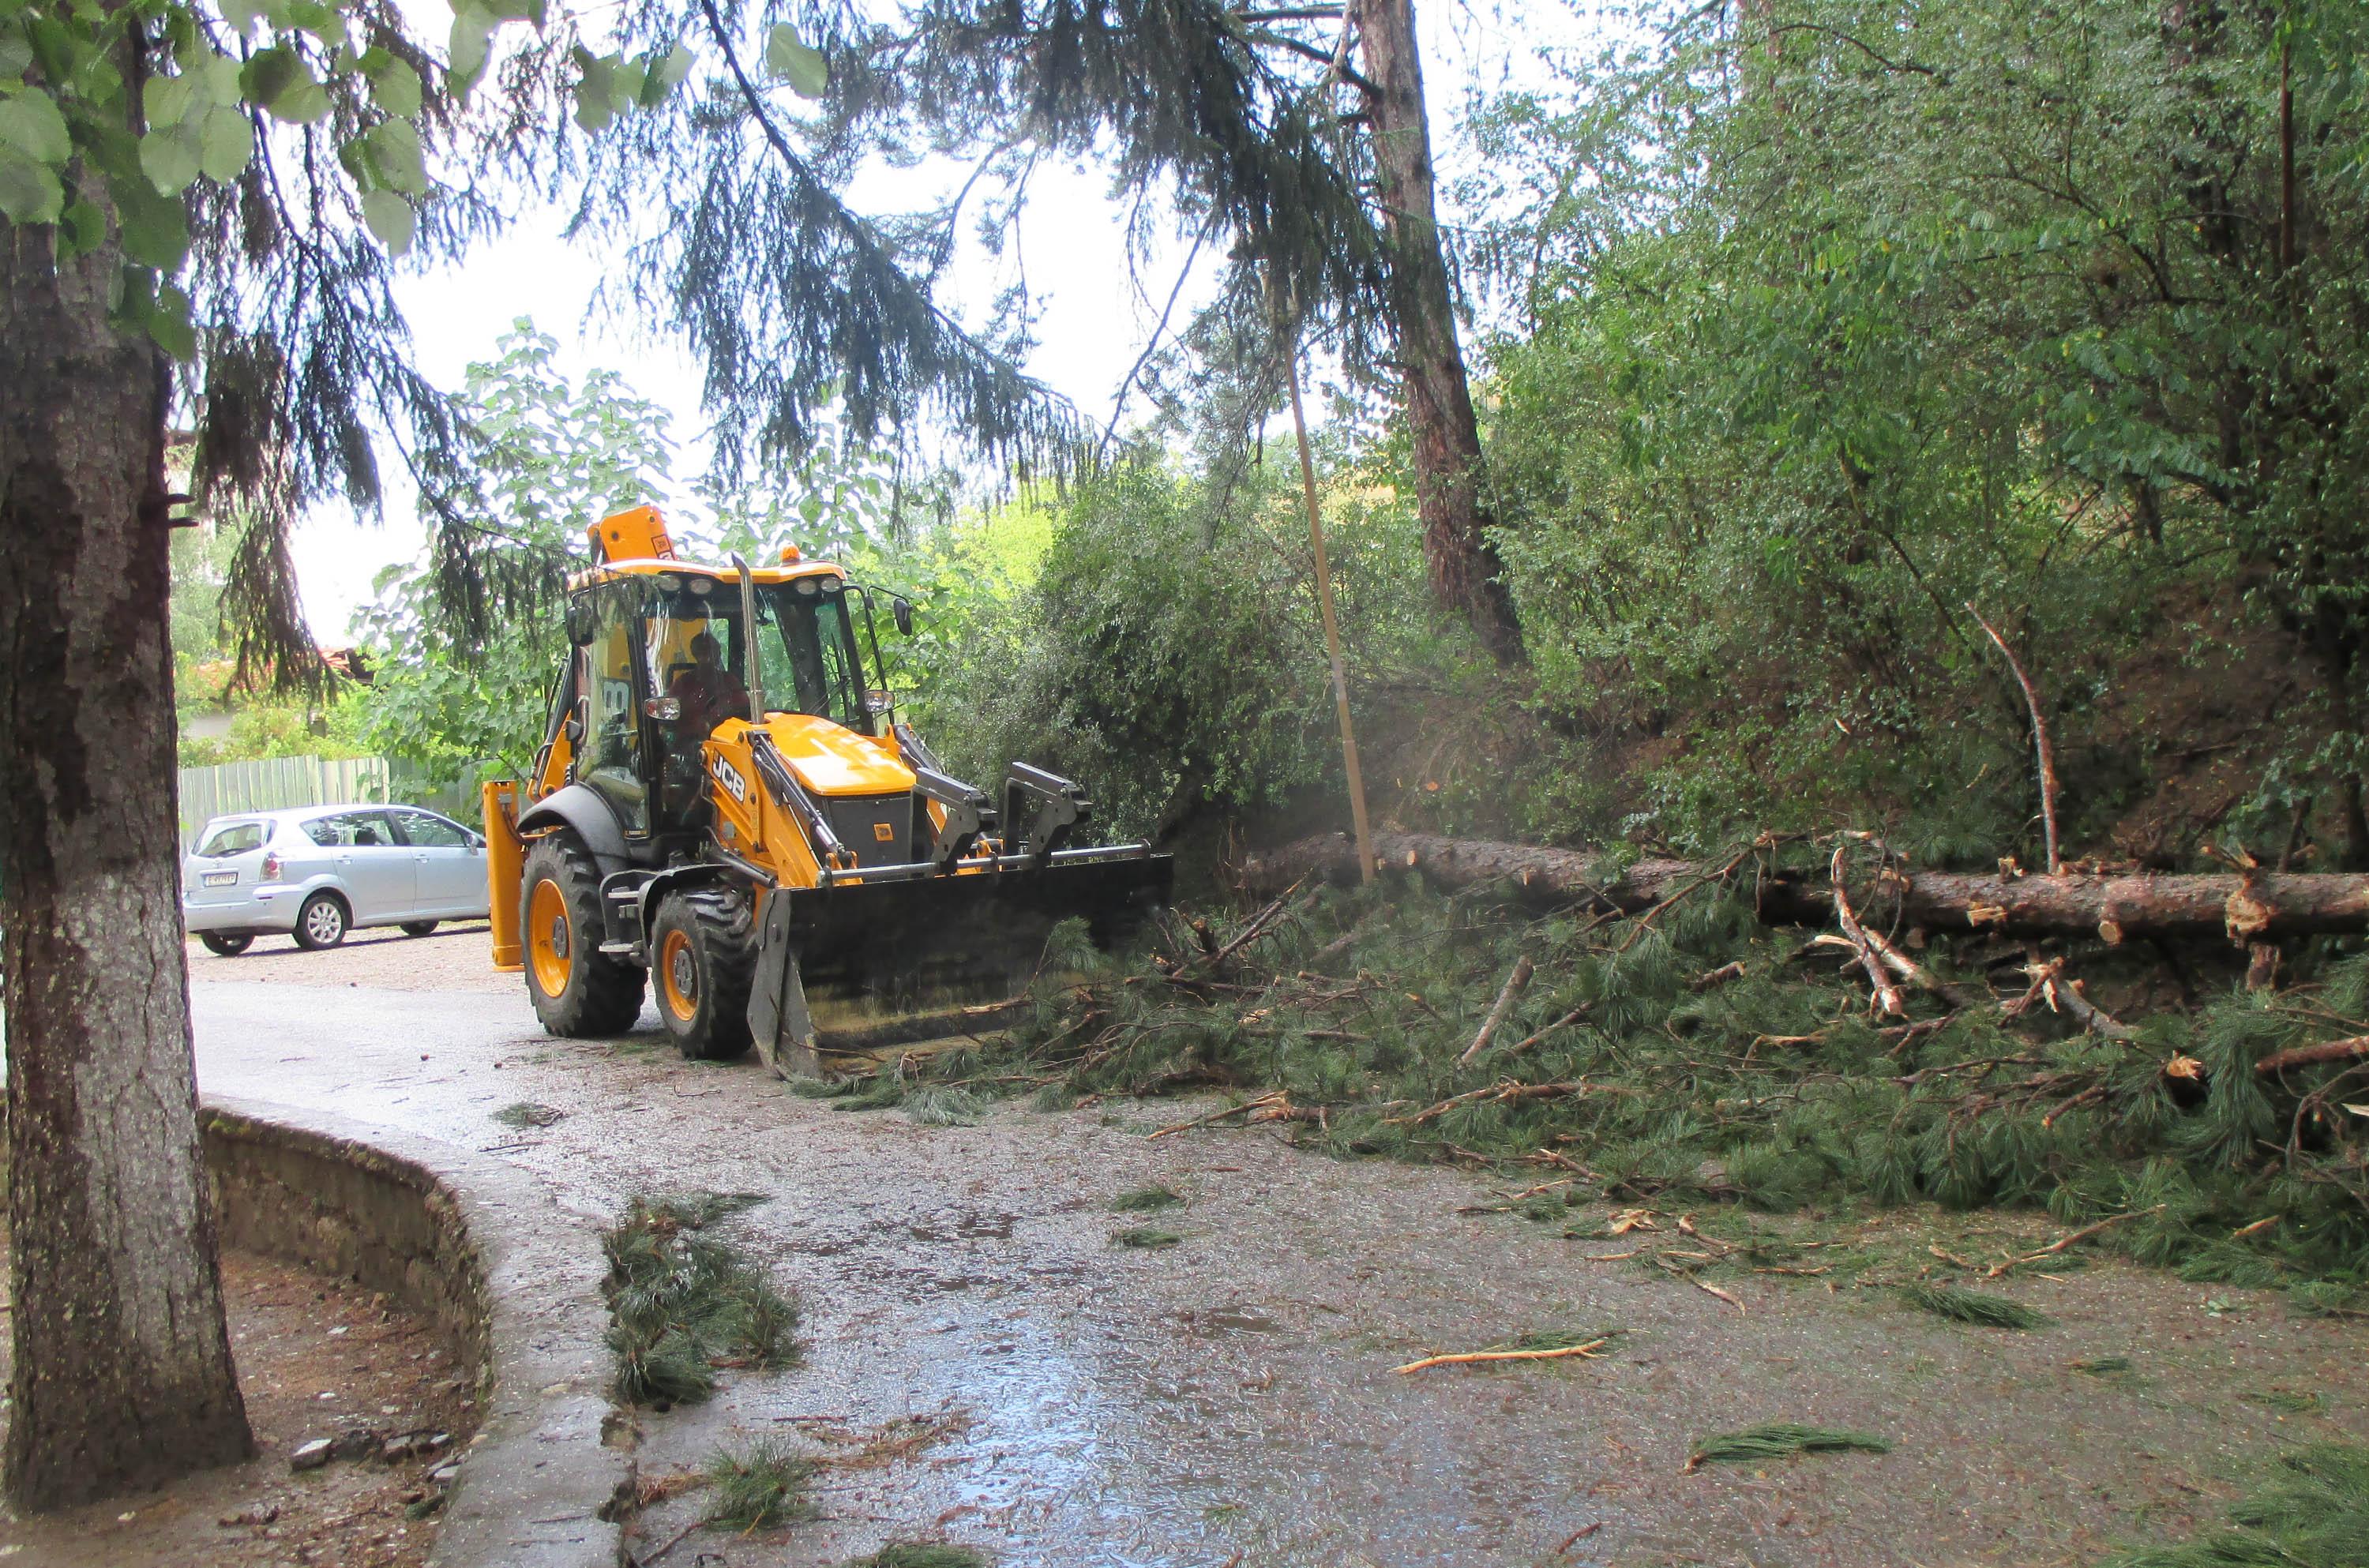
x,y
303,932
603,994
723,934
418,928
226,944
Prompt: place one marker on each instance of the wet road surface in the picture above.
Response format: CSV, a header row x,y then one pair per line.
x,y
1230,1400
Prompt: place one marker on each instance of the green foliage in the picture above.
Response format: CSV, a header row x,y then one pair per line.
x,y
1147,1238
920,1554
1788,399
1146,1200
1167,650
1974,1306
937,1106
457,686
2315,1516
1776,1439
286,730
681,1302
759,1488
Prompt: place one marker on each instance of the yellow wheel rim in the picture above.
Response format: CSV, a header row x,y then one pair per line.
x,y
679,974
550,939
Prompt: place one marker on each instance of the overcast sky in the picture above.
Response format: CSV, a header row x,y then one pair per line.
x,y
1093,319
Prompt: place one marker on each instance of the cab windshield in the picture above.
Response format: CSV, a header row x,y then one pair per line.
x,y
807,661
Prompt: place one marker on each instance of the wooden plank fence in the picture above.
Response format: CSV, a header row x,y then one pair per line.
x,y
278,782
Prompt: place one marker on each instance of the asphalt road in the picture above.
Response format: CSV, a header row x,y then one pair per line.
x,y
1230,1400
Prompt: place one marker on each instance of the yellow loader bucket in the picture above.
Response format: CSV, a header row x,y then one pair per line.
x,y
868,964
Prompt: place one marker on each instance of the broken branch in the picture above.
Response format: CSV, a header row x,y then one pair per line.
x,y
1507,995
1472,1358
2310,1056
2046,753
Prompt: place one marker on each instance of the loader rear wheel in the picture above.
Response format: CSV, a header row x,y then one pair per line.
x,y
703,957
577,988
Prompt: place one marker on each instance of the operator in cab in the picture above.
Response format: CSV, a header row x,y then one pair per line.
x,y
708,691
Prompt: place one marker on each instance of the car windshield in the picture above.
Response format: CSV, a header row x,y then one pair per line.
x,y
233,838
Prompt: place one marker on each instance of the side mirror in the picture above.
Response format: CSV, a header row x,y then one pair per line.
x,y
476,840
583,621
902,609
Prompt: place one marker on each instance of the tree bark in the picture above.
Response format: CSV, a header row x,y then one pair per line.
x,y
2266,906
1467,578
122,1376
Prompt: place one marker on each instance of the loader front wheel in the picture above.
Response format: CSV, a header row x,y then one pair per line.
x,y
577,988
703,957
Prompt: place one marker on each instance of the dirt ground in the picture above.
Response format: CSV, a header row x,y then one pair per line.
x,y
317,1358
985,1364
455,956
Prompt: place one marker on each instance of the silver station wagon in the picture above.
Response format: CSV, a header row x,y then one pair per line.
x,y
316,872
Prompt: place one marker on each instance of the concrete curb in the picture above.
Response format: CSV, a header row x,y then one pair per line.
x,y
485,1249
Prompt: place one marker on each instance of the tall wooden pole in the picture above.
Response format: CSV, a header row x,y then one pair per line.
x,y
1331,626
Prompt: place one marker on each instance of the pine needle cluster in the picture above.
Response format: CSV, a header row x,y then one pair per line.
x,y
920,1554
683,1303
1776,1439
758,1488
1974,1306
1696,1055
2315,1516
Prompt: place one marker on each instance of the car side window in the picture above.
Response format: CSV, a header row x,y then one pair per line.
x,y
428,831
351,830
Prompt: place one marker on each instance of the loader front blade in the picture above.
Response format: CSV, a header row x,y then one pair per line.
x,y
871,964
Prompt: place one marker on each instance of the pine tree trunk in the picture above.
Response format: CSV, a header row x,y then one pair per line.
x,y
2265,906
1466,575
122,1376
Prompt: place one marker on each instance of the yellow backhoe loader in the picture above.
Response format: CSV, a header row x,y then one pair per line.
x,y
725,800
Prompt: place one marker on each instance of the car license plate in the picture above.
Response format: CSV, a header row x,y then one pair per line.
x,y
221,879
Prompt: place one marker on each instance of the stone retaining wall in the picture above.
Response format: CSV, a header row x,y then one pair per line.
x,y
511,1279
486,1250
340,1206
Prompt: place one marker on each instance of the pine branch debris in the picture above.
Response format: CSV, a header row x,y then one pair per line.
x,y
1776,1439
1974,1306
684,1305
2314,1516
1343,1018
757,1489
920,1554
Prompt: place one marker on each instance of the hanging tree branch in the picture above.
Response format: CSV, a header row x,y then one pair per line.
x,y
911,345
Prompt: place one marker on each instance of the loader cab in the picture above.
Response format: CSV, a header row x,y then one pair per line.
x,y
662,657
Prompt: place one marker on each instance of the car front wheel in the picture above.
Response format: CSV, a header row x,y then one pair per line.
x,y
418,928
226,944
321,922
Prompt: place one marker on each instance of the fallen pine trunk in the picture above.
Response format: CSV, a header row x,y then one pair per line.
x,y
2251,907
